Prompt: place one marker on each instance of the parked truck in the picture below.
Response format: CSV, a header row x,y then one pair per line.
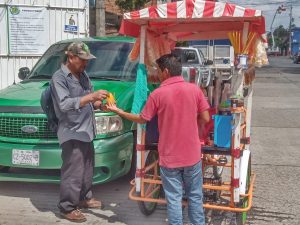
x,y
29,150
220,52
195,68
295,44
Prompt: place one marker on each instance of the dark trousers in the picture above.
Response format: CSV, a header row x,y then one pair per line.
x,y
76,173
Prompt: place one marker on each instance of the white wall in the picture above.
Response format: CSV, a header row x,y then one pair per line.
x,y
9,65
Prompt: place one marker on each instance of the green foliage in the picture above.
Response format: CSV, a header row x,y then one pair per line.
x,y
182,44
129,5
281,37
281,32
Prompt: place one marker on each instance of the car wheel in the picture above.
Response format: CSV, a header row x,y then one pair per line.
x,y
131,173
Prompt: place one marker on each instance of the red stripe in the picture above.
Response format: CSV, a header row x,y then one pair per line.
x,y
229,9
209,9
140,147
245,140
172,10
135,14
140,172
235,183
236,153
189,8
153,12
249,12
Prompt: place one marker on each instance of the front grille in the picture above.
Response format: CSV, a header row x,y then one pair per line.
x,y
11,127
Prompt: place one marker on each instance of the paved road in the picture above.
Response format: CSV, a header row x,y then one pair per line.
x,y
276,144
275,148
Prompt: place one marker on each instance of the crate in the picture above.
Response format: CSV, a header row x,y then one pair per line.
x,y
222,130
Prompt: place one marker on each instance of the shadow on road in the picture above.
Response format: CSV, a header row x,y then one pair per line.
x,y
268,216
39,201
43,198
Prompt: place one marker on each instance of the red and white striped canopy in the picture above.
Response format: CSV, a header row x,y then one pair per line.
x,y
193,19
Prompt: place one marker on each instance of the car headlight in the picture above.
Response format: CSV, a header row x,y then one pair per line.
x,y
108,124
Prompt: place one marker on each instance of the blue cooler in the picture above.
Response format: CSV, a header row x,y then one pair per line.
x,y
222,130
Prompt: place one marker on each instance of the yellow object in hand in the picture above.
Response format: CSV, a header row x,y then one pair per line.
x,y
110,99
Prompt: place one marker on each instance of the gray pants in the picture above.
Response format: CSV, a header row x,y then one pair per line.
x,y
76,173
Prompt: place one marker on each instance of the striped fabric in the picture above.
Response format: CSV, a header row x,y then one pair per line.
x,y
192,9
193,20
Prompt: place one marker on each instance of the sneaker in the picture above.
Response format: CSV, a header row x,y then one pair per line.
x,y
74,216
91,204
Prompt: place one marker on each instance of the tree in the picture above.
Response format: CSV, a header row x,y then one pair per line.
x,y
281,36
129,5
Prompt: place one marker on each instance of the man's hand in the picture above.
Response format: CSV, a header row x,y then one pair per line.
x,y
113,108
129,116
100,95
97,104
94,97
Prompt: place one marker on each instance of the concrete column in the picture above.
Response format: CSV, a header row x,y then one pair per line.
x,y
100,18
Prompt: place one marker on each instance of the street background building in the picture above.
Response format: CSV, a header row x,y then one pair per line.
x,y
23,40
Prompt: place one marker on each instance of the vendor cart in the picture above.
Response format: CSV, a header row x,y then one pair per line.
x,y
226,140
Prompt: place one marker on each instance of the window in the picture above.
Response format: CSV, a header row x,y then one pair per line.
x,y
111,62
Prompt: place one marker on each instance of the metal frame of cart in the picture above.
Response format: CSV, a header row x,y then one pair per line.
x,y
194,20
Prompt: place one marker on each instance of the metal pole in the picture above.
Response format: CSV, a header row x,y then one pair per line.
x,y
271,29
140,155
290,30
100,18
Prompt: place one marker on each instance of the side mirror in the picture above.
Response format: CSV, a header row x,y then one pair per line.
x,y
209,62
23,72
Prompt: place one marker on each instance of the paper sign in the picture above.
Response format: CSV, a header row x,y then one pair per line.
x,y
28,30
71,22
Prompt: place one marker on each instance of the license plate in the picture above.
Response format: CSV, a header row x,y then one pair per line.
x,y
25,157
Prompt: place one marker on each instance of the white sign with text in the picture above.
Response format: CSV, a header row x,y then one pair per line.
x,y
28,30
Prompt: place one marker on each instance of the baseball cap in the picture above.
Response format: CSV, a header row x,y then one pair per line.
x,y
81,50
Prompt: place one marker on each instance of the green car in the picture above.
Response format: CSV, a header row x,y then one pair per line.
x,y
29,150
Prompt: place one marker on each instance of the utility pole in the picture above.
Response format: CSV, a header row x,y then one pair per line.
x,y
100,18
271,29
278,11
290,29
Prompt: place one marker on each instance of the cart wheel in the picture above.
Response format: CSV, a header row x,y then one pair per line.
x,y
218,170
147,208
241,218
131,173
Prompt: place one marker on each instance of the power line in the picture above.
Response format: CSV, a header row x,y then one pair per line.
x,y
262,4
294,2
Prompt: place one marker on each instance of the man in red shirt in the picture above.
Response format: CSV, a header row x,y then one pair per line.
x,y
180,106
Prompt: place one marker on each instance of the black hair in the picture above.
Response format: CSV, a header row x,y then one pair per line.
x,y
64,58
171,62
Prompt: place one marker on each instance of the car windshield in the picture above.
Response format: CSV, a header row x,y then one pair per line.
x,y
187,56
111,63
201,55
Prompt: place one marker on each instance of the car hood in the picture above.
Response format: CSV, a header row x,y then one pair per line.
x,y
26,95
